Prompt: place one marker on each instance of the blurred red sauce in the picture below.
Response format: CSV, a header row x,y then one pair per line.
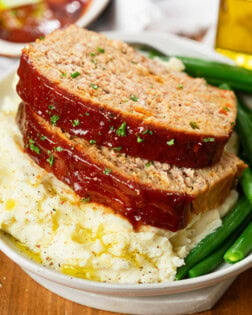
x,y
26,23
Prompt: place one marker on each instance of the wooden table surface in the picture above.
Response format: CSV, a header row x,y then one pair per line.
x,y
20,295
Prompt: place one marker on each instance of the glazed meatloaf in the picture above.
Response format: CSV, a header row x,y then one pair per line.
x,y
103,90
144,192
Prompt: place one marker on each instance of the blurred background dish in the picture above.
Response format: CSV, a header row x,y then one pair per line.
x,y
25,23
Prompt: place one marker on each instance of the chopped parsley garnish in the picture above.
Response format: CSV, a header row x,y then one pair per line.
x,y
87,114
194,125
121,131
92,54
50,160
43,138
107,171
51,107
232,123
42,37
58,149
111,128
134,98
33,147
92,141
117,148
180,86
208,140
139,139
226,108
149,132
54,119
63,74
85,200
75,74
170,142
101,50
75,122
94,86
149,164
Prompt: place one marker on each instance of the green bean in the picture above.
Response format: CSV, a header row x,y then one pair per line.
x,y
212,241
211,262
246,183
241,248
244,129
215,73
243,126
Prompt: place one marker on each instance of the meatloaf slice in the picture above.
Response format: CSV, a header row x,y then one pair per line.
x,y
145,193
103,90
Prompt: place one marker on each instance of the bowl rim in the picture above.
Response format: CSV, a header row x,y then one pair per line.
x,y
170,287
8,247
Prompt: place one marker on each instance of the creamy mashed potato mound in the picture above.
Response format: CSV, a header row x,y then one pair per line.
x,y
52,224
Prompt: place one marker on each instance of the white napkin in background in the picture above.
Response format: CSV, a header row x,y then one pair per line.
x,y
187,17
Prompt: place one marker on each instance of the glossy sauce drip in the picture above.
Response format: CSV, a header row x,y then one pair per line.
x,y
27,23
139,203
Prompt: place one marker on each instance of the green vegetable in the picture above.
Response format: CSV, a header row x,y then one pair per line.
x,y
134,98
75,122
147,131
244,129
208,140
92,141
107,171
194,125
58,149
75,74
101,50
50,160
170,142
94,86
215,73
33,146
241,248
54,119
246,183
117,149
139,139
211,262
212,241
121,131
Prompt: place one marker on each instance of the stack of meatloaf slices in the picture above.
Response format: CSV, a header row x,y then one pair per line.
x,y
122,130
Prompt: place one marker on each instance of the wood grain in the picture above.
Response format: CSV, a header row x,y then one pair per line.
x,y
20,295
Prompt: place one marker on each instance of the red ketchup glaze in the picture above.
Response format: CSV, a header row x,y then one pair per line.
x,y
96,123
26,23
140,204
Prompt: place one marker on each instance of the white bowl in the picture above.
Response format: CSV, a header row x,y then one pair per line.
x,y
185,296
95,8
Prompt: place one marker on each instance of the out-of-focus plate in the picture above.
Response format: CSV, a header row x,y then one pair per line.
x,y
184,296
93,11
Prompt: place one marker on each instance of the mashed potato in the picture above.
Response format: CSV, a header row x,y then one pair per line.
x,y
85,240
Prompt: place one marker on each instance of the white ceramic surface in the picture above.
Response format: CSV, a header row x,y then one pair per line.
x,y
94,9
172,297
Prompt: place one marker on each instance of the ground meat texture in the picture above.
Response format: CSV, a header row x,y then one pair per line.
x,y
104,90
